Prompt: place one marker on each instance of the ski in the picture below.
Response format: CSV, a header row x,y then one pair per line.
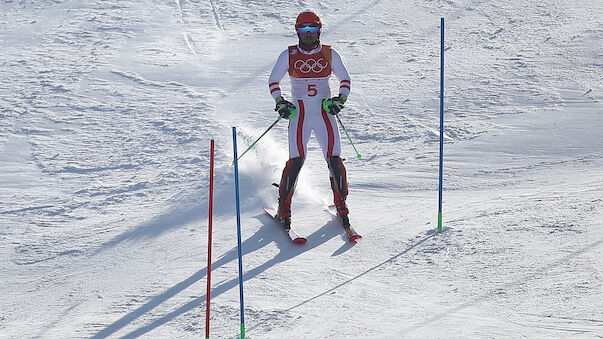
x,y
293,236
352,235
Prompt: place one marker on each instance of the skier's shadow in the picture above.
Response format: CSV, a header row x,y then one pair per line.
x,y
269,232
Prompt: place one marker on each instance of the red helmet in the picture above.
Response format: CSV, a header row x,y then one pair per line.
x,y
308,17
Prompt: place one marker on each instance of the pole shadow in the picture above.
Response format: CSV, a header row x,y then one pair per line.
x,y
269,232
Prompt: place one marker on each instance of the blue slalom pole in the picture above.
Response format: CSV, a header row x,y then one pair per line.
x,y
236,171
441,123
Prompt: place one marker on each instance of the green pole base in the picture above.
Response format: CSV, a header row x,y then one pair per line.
x,y
439,221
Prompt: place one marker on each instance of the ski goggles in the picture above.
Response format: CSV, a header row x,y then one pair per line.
x,y
308,28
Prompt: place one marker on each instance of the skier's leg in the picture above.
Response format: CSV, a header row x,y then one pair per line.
x,y
299,135
328,138
287,186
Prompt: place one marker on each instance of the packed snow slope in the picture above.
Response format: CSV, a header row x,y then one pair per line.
x,y
107,109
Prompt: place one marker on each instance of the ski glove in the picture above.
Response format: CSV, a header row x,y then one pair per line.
x,y
335,104
285,108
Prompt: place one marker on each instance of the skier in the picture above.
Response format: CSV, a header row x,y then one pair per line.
x,y
312,109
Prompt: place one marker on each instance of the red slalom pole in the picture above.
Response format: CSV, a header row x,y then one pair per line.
x,y
211,207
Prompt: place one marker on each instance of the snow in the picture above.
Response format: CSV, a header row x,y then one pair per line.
x,y
106,114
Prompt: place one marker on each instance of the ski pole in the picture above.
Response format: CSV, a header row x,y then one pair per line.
x,y
211,208
236,172
258,139
358,155
441,125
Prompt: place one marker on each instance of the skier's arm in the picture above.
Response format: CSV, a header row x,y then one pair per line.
x,y
341,73
278,72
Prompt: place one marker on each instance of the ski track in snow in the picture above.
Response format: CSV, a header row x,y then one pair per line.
x,y
107,109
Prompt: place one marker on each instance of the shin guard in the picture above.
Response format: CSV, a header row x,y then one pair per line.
x,y
287,185
339,184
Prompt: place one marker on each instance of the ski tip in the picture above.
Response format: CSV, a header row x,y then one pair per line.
x,y
299,241
355,238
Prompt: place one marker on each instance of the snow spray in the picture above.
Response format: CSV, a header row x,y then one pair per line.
x,y
236,173
258,139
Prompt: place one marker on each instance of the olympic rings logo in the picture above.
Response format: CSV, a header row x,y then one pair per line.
x,y
311,65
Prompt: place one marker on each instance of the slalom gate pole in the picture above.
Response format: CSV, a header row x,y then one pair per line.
x,y
258,139
211,208
236,172
358,155
441,124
